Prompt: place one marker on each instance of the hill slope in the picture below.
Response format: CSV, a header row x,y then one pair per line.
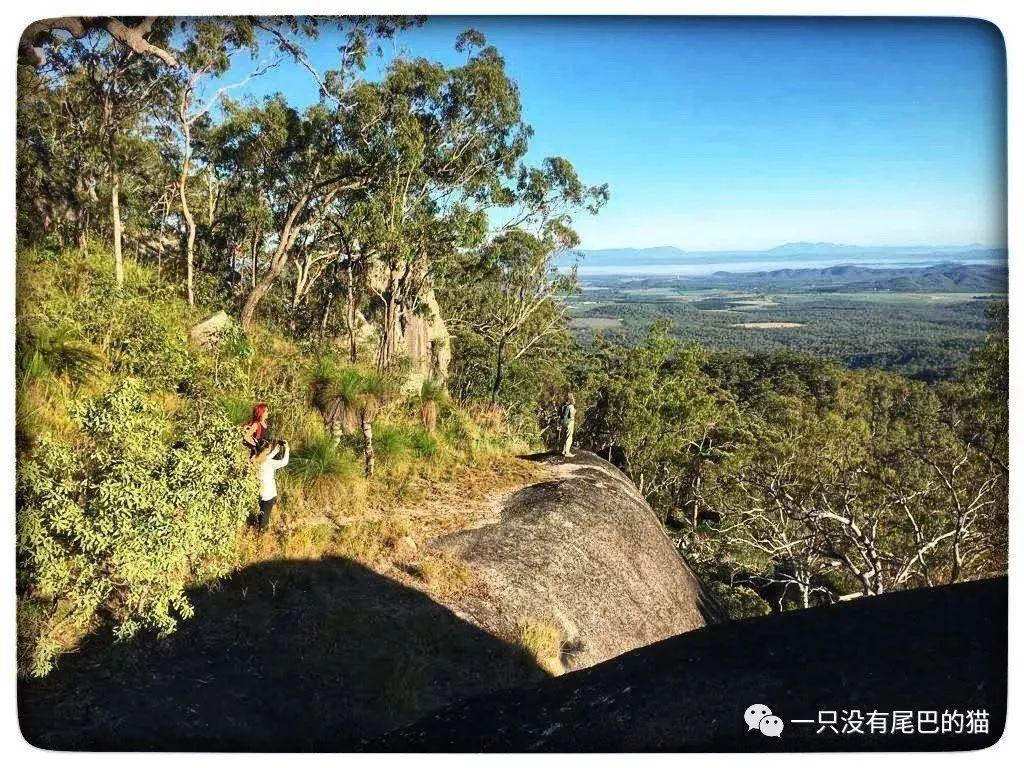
x,y
322,654
932,650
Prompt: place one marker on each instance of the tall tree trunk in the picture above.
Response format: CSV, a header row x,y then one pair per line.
x,y
391,328
499,370
327,313
211,182
350,309
367,427
115,218
253,299
115,193
190,223
277,264
255,256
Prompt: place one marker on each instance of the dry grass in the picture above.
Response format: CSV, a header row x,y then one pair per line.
x,y
463,496
543,641
446,577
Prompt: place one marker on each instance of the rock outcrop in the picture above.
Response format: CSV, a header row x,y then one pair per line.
x,y
207,333
582,554
426,340
420,333
933,660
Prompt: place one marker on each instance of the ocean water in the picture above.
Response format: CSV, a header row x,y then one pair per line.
x,y
701,266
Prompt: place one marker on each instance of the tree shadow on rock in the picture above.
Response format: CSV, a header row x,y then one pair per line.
x,y
283,656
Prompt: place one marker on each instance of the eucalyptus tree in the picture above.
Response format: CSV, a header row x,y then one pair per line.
x,y
123,78
206,54
299,160
132,32
437,147
860,490
208,49
59,165
514,300
298,165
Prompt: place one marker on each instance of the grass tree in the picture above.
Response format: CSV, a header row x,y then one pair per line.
x,y
335,392
432,397
372,393
349,399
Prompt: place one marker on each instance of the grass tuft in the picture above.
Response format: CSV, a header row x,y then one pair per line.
x,y
544,641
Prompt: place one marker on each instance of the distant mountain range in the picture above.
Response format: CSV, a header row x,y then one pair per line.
x,y
824,248
939,278
664,260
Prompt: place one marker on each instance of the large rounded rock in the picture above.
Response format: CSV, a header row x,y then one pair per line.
x,y
582,556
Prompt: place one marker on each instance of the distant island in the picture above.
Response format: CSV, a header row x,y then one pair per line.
x,y
951,277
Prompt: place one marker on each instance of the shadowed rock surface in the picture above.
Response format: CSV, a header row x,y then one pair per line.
x,y
291,655
928,650
583,552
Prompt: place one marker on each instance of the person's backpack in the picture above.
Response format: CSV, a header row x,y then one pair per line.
x,y
566,414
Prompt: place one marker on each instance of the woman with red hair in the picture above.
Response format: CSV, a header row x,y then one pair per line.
x,y
254,429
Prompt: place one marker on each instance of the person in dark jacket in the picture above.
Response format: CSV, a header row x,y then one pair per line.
x,y
254,431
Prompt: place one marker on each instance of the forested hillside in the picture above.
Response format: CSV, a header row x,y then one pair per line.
x,y
927,336
385,259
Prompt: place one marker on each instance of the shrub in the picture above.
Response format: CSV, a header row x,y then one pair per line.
x,y
56,351
392,443
122,522
424,444
147,345
322,460
238,409
741,602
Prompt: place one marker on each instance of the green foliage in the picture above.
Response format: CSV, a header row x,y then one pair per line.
x,y
655,401
148,347
392,443
800,477
426,445
122,523
740,602
58,352
237,408
322,460
432,392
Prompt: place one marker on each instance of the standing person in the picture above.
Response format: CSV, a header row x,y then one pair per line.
x,y
269,460
254,430
568,423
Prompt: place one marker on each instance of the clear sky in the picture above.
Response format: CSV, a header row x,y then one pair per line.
x,y
746,133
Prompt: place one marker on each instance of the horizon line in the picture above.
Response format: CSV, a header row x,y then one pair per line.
x,y
808,243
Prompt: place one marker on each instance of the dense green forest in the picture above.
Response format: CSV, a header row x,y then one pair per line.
x,y
927,336
151,196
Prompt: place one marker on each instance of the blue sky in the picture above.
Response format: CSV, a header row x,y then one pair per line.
x,y
747,133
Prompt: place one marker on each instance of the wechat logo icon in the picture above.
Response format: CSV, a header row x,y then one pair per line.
x,y
758,717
